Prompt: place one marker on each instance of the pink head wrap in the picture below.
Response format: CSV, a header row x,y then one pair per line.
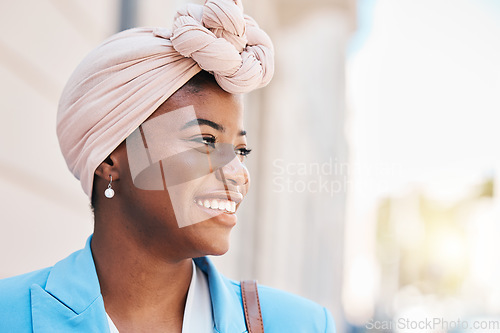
x,y
125,79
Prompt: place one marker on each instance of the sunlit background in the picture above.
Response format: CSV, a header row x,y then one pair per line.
x,y
423,80
375,172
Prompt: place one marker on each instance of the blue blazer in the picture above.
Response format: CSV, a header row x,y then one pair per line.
x,y
67,298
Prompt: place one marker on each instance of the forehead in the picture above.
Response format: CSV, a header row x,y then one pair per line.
x,y
209,102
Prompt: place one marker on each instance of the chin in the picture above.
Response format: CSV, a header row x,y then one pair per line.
x,y
217,245
219,249
212,239
211,249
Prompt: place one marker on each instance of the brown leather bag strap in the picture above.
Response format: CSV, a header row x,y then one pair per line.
x,y
251,304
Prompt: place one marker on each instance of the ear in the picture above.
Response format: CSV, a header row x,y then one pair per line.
x,y
109,167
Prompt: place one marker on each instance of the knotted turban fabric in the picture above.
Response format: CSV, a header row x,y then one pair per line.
x,y
126,78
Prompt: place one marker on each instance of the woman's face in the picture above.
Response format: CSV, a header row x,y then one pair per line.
x,y
184,176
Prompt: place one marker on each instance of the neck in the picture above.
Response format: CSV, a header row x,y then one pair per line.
x,y
136,284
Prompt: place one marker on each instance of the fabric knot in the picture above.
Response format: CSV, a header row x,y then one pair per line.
x,y
162,32
225,42
225,19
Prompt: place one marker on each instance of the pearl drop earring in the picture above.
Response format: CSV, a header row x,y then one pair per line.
x,y
109,193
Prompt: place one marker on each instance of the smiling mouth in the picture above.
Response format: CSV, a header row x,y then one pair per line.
x,y
219,205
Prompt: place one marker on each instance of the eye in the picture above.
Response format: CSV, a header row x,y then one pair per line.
x,y
243,151
207,140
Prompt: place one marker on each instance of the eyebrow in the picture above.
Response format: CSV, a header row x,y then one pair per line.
x,y
201,121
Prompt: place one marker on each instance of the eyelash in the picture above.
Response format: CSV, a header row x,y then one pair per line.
x,y
243,151
210,141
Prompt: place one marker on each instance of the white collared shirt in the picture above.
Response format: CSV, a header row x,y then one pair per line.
x,y
198,310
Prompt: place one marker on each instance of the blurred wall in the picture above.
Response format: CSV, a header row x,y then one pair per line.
x,y
287,237
44,213
291,230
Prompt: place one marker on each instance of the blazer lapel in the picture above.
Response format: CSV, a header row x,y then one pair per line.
x,y
71,300
227,305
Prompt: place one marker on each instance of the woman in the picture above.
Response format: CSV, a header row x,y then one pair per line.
x,y
151,123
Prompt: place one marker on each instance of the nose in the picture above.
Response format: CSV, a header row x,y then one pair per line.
x,y
234,173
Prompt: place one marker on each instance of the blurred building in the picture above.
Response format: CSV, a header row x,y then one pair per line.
x,y
291,228
291,233
44,213
436,258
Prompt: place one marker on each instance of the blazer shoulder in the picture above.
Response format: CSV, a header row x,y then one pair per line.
x,y
15,299
15,286
286,312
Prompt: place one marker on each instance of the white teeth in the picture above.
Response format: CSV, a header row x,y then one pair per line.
x,y
221,205
214,204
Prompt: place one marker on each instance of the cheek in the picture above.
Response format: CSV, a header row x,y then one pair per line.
x,y
246,185
196,163
186,166
183,167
